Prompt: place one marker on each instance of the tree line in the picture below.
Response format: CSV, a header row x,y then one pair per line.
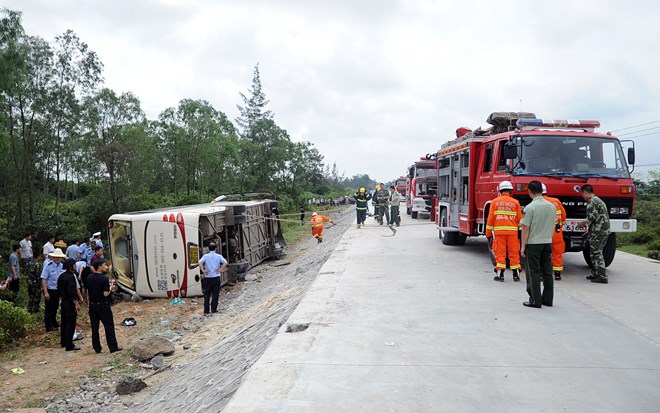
x,y
74,152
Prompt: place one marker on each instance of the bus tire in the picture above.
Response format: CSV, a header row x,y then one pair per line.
x,y
609,251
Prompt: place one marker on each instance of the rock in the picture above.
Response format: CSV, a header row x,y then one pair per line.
x,y
147,348
130,385
250,277
126,297
158,362
136,298
186,346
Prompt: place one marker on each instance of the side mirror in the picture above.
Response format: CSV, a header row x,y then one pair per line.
x,y
631,156
510,150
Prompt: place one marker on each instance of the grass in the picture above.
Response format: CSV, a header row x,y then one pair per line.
x,y
293,232
641,250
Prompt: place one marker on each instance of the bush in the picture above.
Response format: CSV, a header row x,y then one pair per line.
x,y
653,254
643,236
15,321
654,245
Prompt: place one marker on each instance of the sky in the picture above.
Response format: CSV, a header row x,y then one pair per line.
x,y
375,84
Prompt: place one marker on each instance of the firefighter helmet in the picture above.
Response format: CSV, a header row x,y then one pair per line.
x,y
314,214
545,189
505,185
362,190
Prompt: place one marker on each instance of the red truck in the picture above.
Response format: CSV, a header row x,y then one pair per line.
x,y
401,185
421,186
520,148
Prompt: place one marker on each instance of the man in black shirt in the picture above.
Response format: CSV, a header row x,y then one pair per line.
x,y
67,289
98,289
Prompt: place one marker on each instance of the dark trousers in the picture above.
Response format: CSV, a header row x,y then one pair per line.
x,y
394,215
538,265
211,294
361,215
50,310
15,285
68,325
102,312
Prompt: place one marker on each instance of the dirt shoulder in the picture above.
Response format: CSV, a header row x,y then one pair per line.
x,y
251,313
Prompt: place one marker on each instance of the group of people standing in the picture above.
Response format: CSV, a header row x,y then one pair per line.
x,y
63,277
541,244
385,201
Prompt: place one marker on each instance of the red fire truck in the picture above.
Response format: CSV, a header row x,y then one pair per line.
x,y
401,185
421,186
520,148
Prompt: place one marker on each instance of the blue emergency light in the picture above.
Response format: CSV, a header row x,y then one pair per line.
x,y
558,124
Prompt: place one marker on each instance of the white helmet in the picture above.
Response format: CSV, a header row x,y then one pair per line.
x,y
314,214
505,185
545,190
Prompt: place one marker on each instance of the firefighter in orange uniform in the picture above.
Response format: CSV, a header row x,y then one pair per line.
x,y
558,246
503,222
317,225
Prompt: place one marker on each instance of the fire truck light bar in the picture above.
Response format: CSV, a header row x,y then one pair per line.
x,y
558,123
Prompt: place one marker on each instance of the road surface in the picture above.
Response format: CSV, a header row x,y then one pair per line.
x,y
406,324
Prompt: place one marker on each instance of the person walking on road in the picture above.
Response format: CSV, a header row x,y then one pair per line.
x,y
49,275
558,245
212,265
382,198
361,205
67,289
395,199
502,228
98,289
538,227
598,222
302,215
317,225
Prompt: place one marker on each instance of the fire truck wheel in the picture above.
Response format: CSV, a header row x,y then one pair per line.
x,y
447,237
608,251
460,239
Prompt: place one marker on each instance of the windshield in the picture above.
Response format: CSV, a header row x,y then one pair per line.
x,y
120,247
570,156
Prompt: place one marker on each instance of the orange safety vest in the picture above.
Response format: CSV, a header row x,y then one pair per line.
x,y
560,211
317,220
504,216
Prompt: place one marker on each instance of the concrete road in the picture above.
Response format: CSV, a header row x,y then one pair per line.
x,y
406,324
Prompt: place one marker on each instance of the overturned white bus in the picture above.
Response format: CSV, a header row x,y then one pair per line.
x,y
156,253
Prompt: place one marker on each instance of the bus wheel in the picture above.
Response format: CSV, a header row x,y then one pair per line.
x,y
608,251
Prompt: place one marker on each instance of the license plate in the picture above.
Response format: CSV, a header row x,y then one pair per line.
x,y
575,225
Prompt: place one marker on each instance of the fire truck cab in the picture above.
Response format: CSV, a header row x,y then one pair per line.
x,y
421,186
564,155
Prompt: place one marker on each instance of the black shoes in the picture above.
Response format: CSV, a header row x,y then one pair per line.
x,y
516,278
74,348
528,304
599,280
590,277
319,240
119,348
557,275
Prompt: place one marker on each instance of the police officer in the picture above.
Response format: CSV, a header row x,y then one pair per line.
x,y
67,288
97,237
361,204
599,229
49,275
211,265
98,289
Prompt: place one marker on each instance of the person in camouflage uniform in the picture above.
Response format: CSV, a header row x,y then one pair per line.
x,y
383,199
598,221
34,284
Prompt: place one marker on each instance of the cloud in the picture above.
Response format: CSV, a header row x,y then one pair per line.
x,y
376,84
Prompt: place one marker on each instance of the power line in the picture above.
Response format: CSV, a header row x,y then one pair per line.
x,y
637,131
636,126
644,134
